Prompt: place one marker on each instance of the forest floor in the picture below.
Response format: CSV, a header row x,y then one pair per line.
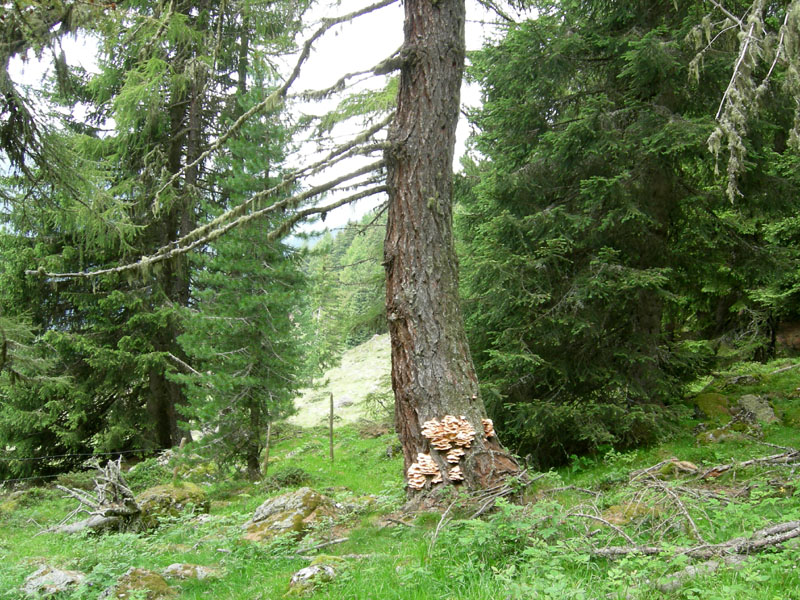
x,y
713,512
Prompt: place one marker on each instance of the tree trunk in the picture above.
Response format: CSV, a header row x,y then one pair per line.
x,y
432,370
253,442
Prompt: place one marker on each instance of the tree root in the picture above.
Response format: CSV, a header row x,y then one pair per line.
x,y
112,506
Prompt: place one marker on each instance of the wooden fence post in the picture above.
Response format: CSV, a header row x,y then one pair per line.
x,y
330,427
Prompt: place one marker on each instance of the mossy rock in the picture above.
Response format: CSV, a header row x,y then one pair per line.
x,y
8,506
716,436
675,467
170,501
191,571
714,406
622,514
305,580
136,581
292,513
203,471
48,581
759,407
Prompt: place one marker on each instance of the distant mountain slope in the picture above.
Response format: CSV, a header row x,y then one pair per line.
x,y
363,370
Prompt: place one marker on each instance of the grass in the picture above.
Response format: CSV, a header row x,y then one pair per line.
x,y
363,370
540,549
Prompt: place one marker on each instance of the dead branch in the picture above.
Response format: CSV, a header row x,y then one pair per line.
x,y
322,545
790,367
439,526
489,496
655,482
607,524
399,522
757,542
784,457
565,488
676,580
112,504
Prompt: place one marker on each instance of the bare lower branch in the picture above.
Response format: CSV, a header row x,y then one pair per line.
x,y
276,97
183,364
732,83
168,252
341,152
728,13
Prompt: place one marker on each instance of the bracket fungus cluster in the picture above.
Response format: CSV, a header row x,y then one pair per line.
x,y
451,436
420,470
488,428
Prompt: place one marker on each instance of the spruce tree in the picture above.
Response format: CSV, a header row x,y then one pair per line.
x,y
603,263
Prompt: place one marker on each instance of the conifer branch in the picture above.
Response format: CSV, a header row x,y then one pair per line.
x,y
779,49
732,83
176,249
275,98
341,152
728,13
378,69
317,210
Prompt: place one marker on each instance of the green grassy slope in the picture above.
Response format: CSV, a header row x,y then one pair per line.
x,y
363,371
546,547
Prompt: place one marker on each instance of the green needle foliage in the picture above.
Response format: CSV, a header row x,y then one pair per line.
x,y
242,334
172,77
603,265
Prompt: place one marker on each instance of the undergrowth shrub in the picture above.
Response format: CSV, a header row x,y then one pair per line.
x,y
550,433
499,540
286,477
81,480
147,474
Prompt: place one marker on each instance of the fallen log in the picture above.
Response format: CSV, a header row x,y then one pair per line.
x,y
757,542
111,506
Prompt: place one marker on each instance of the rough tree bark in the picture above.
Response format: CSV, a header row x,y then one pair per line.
x,y
432,370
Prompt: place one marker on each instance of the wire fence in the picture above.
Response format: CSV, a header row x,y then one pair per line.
x,y
8,459
78,454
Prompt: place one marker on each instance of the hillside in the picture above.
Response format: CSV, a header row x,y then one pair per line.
x,y
363,375
713,512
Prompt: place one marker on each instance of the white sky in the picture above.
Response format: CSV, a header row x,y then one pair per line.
x,y
350,47
360,45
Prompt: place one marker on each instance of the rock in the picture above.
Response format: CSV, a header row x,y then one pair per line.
x,y
674,467
49,580
154,586
742,380
343,401
788,335
716,436
189,571
306,579
759,407
713,406
170,501
622,514
290,513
